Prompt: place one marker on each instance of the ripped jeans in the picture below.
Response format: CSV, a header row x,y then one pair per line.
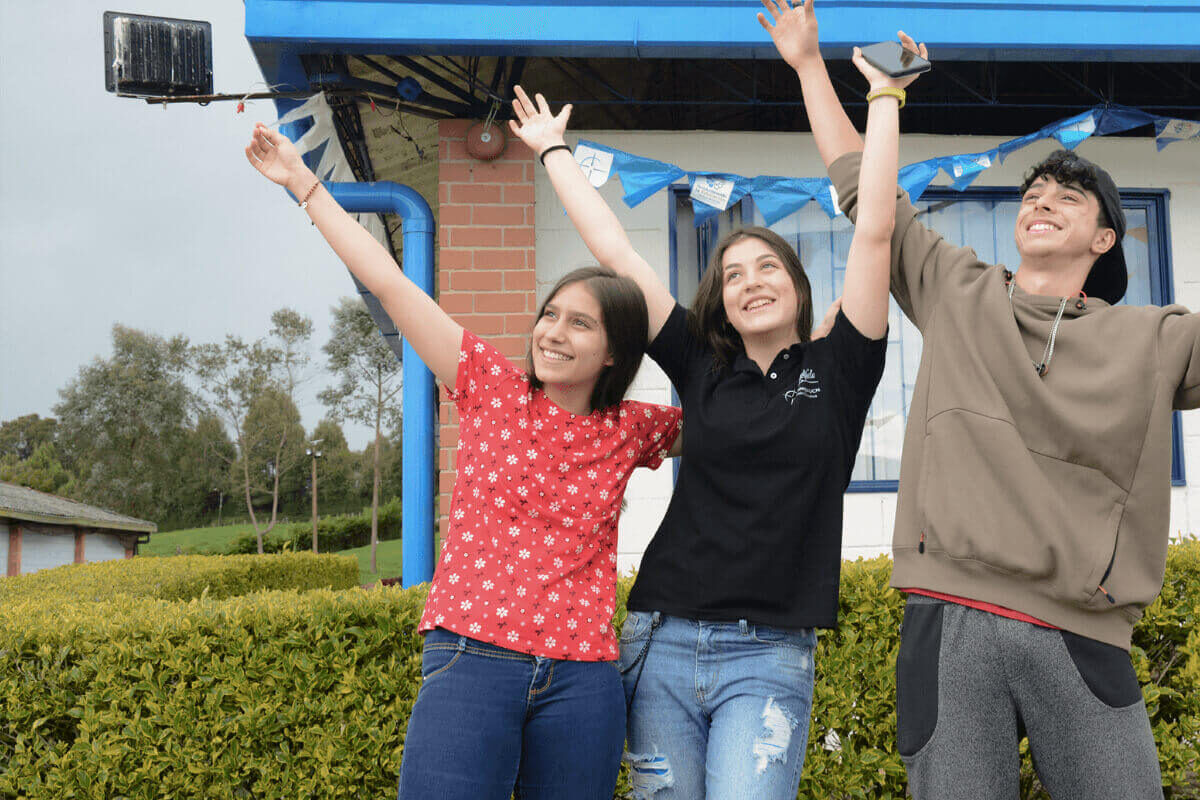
x,y
491,723
721,710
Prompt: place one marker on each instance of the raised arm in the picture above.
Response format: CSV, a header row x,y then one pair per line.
x,y
432,333
865,293
597,224
794,31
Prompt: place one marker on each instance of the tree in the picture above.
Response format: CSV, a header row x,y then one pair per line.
x,y
276,450
246,385
42,470
123,423
21,436
204,473
369,374
337,480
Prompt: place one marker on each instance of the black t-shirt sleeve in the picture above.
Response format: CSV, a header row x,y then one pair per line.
x,y
675,349
858,358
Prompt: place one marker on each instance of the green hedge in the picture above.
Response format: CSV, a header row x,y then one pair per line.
x,y
285,695
334,533
270,695
180,578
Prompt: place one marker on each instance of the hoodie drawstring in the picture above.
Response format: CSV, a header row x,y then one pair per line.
x,y
1048,353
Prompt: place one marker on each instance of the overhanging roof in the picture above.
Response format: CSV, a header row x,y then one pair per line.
x,y
978,30
27,505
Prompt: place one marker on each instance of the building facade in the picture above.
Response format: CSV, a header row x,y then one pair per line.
x,y
39,531
705,91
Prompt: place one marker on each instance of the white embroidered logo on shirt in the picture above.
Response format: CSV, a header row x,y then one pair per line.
x,y
806,386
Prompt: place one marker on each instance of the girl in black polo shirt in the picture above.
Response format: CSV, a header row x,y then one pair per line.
x,y
717,650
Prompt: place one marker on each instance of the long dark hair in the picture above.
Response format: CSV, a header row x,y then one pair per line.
x,y
707,316
626,324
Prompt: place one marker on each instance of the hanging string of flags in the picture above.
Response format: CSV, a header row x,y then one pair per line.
x,y
776,197
333,164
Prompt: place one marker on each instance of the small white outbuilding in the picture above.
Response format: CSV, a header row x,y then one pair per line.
x,y
39,530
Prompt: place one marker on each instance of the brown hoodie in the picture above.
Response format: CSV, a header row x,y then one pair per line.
x,y
1047,495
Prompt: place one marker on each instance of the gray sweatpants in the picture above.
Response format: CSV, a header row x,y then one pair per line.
x,y
969,684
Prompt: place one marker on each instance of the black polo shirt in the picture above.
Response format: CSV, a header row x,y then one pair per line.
x,y
754,528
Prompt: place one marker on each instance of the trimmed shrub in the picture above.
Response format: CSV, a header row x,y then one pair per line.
x,y
270,695
247,544
179,578
334,533
286,695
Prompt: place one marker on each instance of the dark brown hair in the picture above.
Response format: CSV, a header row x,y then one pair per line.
x,y
626,324
1066,167
707,317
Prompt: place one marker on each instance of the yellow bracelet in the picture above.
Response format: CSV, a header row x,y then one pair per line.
x,y
887,91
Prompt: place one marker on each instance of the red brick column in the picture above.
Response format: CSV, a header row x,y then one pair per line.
x,y
487,276
14,551
80,543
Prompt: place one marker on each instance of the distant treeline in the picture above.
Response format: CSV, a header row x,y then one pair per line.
x,y
182,434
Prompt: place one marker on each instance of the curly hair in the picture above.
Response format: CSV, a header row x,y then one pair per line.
x,y
1067,167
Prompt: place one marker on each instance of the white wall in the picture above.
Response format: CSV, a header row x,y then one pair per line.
x,y
1133,163
45,550
102,547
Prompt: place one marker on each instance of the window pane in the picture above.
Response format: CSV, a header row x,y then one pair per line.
x,y
983,219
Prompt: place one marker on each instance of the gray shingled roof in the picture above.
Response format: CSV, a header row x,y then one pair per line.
x,y
21,503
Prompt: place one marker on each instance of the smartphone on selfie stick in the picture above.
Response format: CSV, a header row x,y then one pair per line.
x,y
893,60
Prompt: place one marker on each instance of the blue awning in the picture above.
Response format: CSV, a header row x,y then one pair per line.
x,y
1168,30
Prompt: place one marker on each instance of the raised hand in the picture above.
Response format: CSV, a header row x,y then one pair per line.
x,y
273,154
535,125
793,29
879,80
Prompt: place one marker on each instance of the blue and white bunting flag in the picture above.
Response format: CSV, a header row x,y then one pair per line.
x,y
776,197
1167,131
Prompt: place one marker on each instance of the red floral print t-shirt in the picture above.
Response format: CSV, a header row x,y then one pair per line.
x,y
529,557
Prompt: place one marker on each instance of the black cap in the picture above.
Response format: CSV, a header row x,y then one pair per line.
x,y
1109,276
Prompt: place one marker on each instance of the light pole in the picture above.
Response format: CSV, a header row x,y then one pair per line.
x,y
315,454
220,503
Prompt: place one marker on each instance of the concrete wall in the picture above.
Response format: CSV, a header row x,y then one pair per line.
x,y
41,550
102,547
46,547
1133,163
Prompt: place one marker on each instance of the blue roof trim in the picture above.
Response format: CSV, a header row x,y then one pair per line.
x,y
972,29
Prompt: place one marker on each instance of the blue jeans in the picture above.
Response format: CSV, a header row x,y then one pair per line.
x,y
489,722
720,710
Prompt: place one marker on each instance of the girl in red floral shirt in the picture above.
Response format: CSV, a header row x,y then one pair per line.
x,y
520,688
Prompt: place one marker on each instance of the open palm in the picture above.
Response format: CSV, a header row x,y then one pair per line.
x,y
535,125
272,154
793,29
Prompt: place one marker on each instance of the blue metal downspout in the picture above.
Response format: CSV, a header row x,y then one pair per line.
x,y
419,394
282,66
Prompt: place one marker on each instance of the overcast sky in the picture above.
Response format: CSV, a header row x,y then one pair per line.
x,y
112,210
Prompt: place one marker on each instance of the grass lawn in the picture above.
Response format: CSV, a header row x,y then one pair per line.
x,y
388,557
195,540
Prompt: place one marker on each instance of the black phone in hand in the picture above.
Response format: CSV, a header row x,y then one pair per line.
x,y
893,60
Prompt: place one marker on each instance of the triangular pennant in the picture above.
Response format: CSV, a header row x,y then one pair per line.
x,y
1168,131
1070,132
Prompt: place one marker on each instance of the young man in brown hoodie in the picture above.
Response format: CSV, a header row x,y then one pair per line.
x,y
1032,517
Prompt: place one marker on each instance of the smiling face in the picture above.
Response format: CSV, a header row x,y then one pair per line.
x,y
569,345
757,292
1061,222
